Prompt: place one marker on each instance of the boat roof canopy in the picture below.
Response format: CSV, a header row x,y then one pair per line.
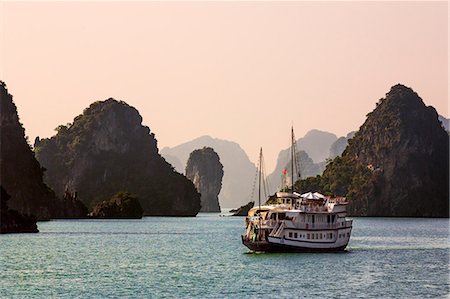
x,y
288,194
253,210
313,196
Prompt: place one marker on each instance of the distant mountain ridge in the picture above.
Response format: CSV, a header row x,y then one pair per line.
x,y
315,144
239,171
338,147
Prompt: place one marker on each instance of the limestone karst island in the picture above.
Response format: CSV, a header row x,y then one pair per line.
x,y
224,149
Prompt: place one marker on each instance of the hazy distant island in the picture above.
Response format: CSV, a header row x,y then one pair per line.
x,y
397,164
107,150
206,172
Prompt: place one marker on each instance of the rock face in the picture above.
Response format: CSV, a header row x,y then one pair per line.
x,y
239,171
243,210
206,172
397,164
107,150
122,205
316,144
21,174
12,221
445,122
307,169
338,147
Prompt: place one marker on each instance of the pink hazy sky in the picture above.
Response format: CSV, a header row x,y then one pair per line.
x,y
241,71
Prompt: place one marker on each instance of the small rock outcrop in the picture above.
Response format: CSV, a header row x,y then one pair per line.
x,y
21,174
107,150
123,205
11,221
397,164
206,172
243,210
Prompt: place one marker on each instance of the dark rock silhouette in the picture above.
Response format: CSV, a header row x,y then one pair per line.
x,y
11,221
21,174
397,164
107,150
206,172
123,205
243,210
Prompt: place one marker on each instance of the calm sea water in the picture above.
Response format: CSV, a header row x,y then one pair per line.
x,y
203,257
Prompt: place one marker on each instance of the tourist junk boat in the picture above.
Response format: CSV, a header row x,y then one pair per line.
x,y
293,222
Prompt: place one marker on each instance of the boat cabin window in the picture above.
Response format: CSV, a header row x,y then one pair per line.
x,y
295,235
312,217
281,216
290,235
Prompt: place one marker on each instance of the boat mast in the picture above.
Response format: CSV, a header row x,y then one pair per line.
x,y
260,172
292,158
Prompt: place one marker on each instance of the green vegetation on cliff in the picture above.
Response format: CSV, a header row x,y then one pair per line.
x,y
106,150
397,164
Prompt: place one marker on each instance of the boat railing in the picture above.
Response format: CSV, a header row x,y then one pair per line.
x,y
319,225
269,223
305,209
277,230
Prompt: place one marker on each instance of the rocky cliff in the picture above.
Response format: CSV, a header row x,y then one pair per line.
x,y
20,172
106,150
206,172
239,171
397,164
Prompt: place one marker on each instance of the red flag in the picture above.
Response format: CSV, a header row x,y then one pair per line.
x,y
284,171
